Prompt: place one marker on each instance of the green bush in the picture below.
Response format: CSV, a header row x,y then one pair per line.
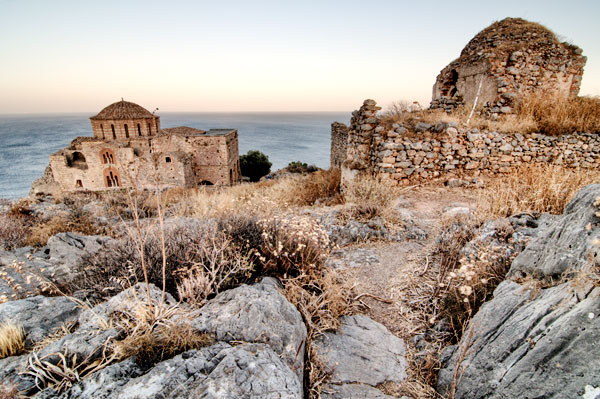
x,y
255,165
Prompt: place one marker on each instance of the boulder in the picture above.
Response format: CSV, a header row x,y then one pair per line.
x,y
521,348
362,351
39,316
256,313
567,243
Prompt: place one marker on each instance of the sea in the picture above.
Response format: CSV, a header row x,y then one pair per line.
x,y
26,141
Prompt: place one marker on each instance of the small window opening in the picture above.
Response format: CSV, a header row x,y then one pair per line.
x,y
113,131
139,129
126,130
79,184
149,130
104,159
102,128
168,159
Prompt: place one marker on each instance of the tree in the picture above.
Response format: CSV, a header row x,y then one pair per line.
x,y
255,165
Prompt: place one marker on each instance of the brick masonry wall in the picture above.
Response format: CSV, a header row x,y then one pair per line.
x,y
406,156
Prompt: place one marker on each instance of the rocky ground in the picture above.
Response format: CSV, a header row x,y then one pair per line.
x,y
536,336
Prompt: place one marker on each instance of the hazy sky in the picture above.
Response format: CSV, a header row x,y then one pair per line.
x,y
70,56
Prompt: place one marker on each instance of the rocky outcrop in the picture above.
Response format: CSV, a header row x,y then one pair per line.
x,y
568,244
27,272
39,316
257,313
363,352
536,342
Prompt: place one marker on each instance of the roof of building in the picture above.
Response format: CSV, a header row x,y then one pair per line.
x,y
183,131
190,131
123,110
503,37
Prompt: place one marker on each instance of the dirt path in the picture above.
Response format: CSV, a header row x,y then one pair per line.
x,y
383,271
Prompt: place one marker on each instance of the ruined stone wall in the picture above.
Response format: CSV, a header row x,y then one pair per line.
x,y
406,156
339,141
510,59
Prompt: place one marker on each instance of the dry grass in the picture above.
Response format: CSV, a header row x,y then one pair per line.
x,y
322,298
533,188
12,340
257,198
540,112
156,331
554,115
42,231
370,196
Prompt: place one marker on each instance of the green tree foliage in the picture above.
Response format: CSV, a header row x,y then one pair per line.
x,y
255,165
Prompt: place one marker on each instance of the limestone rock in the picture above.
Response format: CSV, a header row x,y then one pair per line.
x,y
546,347
362,351
39,316
257,313
567,243
218,371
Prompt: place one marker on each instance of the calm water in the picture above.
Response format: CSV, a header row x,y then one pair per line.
x,y
26,141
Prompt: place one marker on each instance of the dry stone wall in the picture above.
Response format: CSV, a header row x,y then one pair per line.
x,y
444,149
339,141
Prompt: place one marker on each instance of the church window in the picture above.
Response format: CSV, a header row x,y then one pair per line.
x,y
113,131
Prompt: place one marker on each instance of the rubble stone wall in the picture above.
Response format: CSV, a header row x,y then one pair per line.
x,y
339,141
446,150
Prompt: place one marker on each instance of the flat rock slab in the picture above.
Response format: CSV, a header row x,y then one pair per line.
x,y
363,351
350,258
352,391
519,347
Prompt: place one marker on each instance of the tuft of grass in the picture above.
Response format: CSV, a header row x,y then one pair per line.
x,y
156,331
371,194
532,188
12,340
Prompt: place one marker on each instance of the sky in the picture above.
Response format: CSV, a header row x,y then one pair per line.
x,y
252,56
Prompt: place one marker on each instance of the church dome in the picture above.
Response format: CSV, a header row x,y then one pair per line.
x,y
123,110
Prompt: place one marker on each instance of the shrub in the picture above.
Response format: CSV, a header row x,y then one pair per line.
x,y
370,195
301,167
13,231
12,340
254,165
187,247
81,223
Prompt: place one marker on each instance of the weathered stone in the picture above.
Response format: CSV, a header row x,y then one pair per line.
x,y
39,316
362,351
256,313
352,391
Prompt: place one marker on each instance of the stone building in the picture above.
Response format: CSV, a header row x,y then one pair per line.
x,y
130,147
505,61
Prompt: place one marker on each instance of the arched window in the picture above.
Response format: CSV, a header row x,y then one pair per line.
x,y
139,129
107,156
112,177
102,128
113,131
126,130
